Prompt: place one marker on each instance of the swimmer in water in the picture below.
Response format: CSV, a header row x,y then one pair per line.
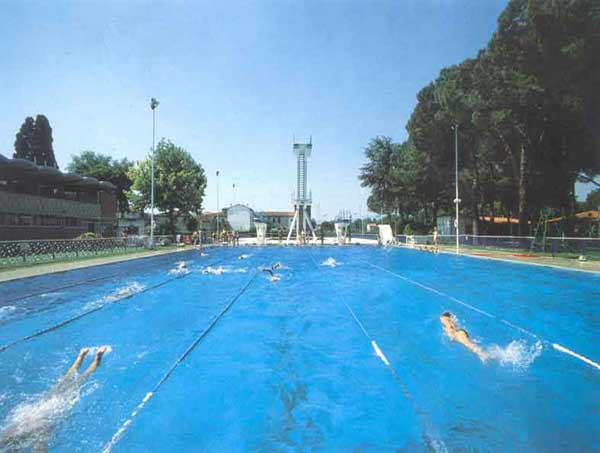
x,y
36,426
461,335
273,276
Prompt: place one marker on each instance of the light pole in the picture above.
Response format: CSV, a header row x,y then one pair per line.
x,y
233,193
456,200
218,232
362,221
153,105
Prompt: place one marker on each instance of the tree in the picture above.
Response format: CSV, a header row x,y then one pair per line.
x,y
42,142
377,173
23,141
592,201
180,182
103,167
34,142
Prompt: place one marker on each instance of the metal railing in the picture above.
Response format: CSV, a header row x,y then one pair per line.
x,y
553,246
18,253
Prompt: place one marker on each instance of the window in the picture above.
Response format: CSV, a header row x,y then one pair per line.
x,y
71,222
25,220
49,221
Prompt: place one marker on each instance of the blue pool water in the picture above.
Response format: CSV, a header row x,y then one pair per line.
x,y
343,357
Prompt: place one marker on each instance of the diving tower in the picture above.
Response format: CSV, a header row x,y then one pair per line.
x,y
302,201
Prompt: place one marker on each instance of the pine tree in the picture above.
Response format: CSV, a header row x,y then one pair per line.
x,y
42,143
23,141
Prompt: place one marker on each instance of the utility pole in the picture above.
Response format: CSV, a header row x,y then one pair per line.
x,y
153,105
218,212
456,200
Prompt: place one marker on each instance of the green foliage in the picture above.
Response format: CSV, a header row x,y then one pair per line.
x,y
104,168
527,110
179,182
34,142
592,201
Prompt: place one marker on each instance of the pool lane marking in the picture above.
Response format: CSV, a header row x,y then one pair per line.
x,y
84,282
125,425
556,346
433,290
576,355
93,310
437,444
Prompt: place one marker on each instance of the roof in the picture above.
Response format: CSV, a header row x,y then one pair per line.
x,y
592,215
22,168
492,219
277,213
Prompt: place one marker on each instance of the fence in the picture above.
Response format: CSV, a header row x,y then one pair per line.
x,y
552,246
17,253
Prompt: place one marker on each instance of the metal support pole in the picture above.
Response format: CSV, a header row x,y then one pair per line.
x,y
456,200
218,231
153,105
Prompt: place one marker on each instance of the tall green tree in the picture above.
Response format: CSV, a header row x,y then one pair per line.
x,y
180,182
105,168
41,142
377,174
23,140
34,141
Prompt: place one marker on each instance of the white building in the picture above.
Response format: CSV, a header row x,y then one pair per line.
x,y
240,218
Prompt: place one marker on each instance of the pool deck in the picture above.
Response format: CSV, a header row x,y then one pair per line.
x,y
526,258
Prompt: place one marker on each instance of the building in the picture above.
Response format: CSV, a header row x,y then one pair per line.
x,y
277,220
132,224
39,202
240,218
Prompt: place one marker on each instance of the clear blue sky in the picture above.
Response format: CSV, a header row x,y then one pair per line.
x,y
235,82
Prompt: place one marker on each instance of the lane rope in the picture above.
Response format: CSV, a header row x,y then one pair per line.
x,y
556,346
433,439
92,280
95,309
127,423
84,282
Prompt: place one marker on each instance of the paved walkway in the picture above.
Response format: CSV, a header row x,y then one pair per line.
x,y
41,269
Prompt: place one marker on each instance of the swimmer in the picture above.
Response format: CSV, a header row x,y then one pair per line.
x,y
461,335
124,292
243,257
182,266
213,270
35,427
272,275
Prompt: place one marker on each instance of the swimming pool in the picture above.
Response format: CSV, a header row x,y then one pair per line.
x,y
345,352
